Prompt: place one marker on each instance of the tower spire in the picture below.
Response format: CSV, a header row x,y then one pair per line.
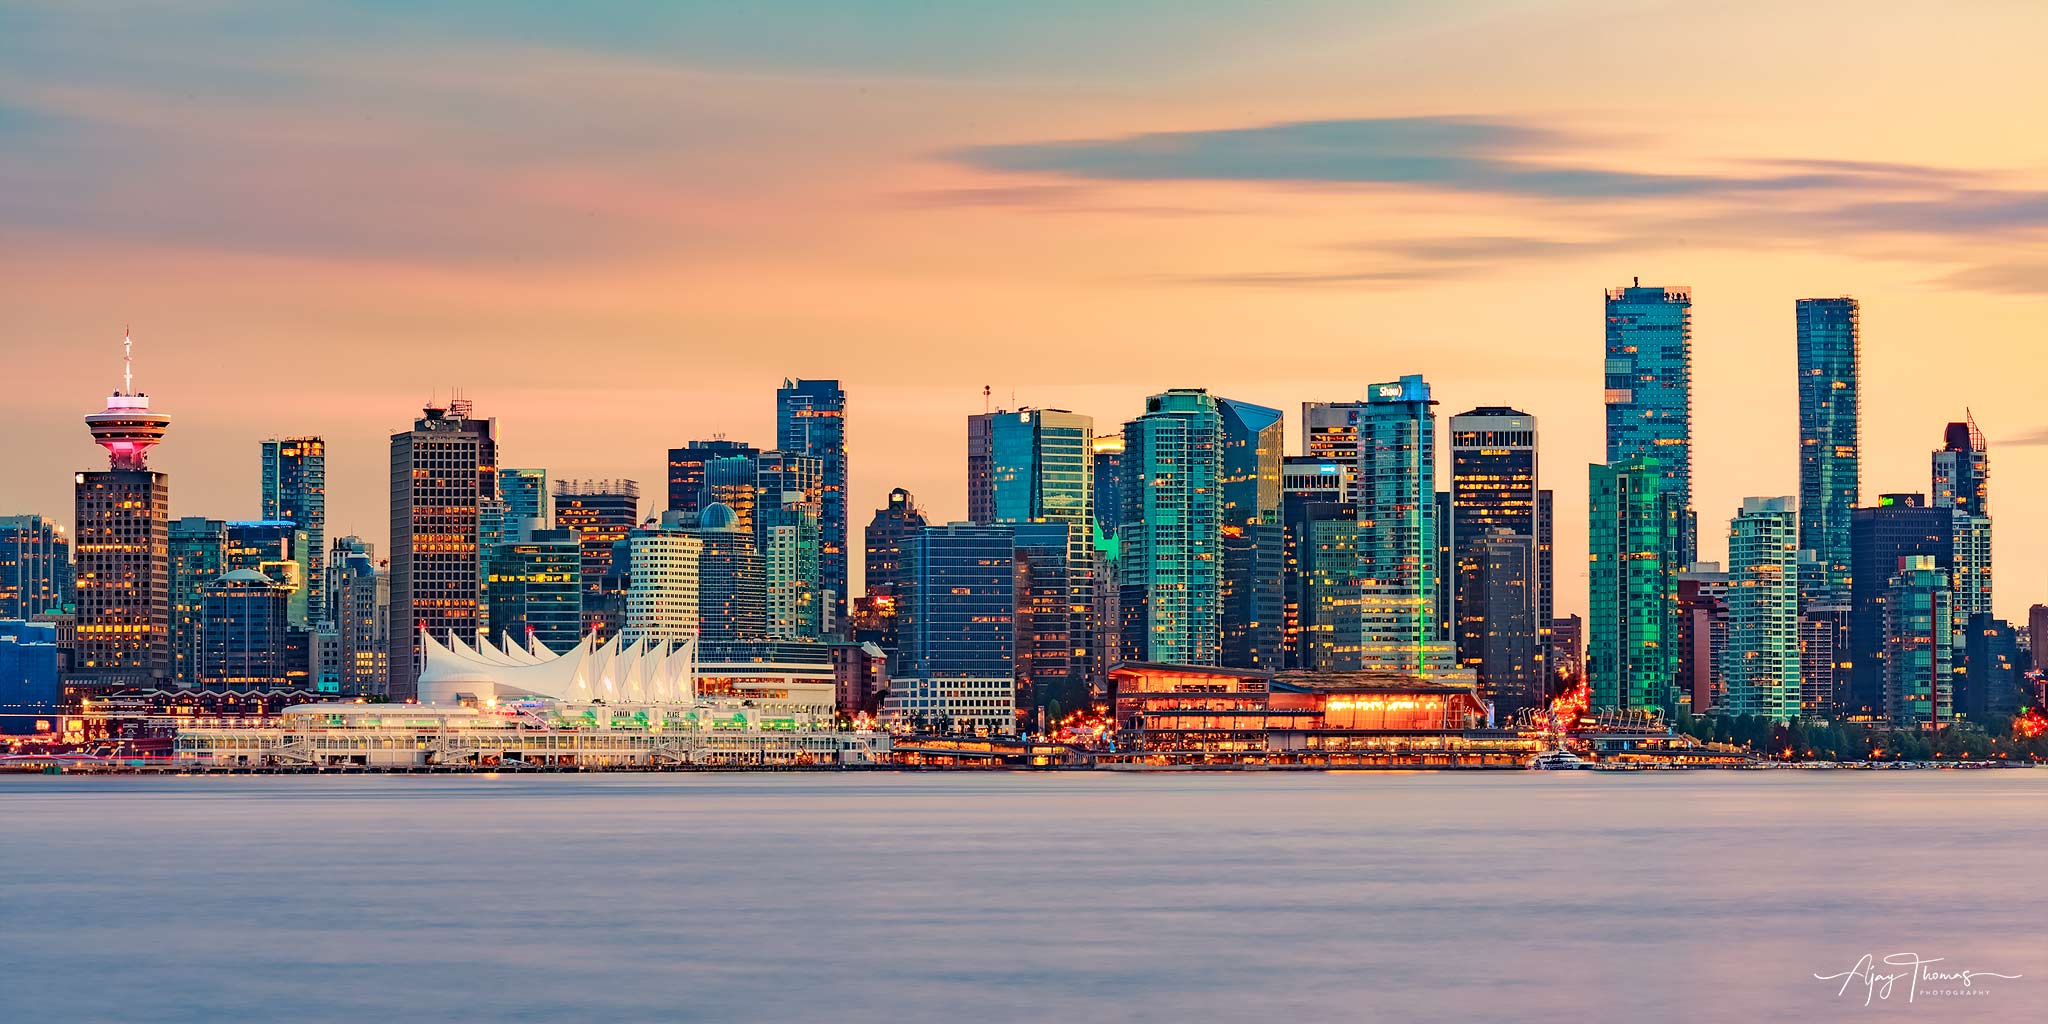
x,y
127,362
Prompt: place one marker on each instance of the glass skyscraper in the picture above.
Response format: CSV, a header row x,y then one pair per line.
x,y
35,566
810,418
536,589
1919,645
1899,526
686,470
1397,530
959,612
1494,488
1830,436
1760,664
1253,540
1962,484
295,489
525,494
1170,529
601,512
1037,467
442,472
1649,390
198,555
1632,593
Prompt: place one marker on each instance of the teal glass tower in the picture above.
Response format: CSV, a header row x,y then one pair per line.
x,y
1632,591
295,489
1830,437
1760,663
1170,577
1037,466
1253,539
1649,390
1398,536
1919,645
810,419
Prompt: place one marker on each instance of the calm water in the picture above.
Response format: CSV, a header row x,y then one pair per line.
x,y
1082,897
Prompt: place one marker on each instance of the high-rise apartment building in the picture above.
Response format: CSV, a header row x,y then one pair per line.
x,y
662,598
198,556
358,601
35,566
1760,666
1823,646
122,549
442,471
1700,631
1962,484
1649,390
1830,436
1633,539
1919,645
1170,529
295,489
810,419
1397,530
601,512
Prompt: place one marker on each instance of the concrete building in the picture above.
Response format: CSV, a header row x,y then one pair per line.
x,y
122,554
442,472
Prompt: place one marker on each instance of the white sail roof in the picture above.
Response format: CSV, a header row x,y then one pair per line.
x,y
658,672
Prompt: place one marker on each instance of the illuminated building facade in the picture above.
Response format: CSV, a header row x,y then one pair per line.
x,y
31,677
661,600
525,495
122,549
1760,665
1494,487
1329,430
358,600
1823,646
1898,526
810,419
732,589
1307,484
601,512
1649,390
35,566
1830,437
536,588
686,470
442,472
1397,530
244,642
1991,689
275,548
1324,584
295,489
958,658
1919,645
1051,667
891,528
1700,636
1567,659
1038,469
198,555
1170,529
1633,538
1962,484
787,529
1502,607
1253,542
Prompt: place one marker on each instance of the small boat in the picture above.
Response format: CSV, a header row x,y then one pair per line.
x,y
1558,760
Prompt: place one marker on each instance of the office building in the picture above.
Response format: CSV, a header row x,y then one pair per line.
x,y
958,626
198,556
1962,484
1169,531
442,471
891,528
1107,564
1397,531
536,588
1309,487
686,469
1919,645
1649,390
732,588
1991,691
1050,661
1253,539
524,493
35,566
1567,659
358,602
1898,526
276,548
1830,437
788,532
810,419
122,548
1494,487
1329,430
244,639
295,489
601,512
1038,467
1760,666
1501,609
2037,636
31,677
662,597
1633,540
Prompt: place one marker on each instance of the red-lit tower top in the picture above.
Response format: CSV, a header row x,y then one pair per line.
x,y
127,429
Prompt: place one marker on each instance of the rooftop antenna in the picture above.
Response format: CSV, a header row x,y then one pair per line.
x,y
127,362
985,392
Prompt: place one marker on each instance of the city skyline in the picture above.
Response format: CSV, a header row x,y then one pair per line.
x,y
1333,187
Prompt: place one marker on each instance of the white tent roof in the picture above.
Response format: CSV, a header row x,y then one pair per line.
x,y
660,672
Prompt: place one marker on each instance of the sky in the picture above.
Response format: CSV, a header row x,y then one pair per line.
x,y
616,227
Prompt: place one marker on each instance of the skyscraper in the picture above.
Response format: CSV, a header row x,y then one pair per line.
x,y
1898,526
275,548
1049,661
1397,530
525,494
358,600
1329,430
1253,540
35,566
536,589
662,598
123,547
1632,561
787,531
1823,645
891,528
1038,467
810,418
686,469
1919,645
1310,487
732,590
247,618
442,470
1991,690
1700,626
1830,435
601,512
1760,666
1502,605
958,618
1962,484
1107,562
1494,487
295,489
1649,390
198,556
1170,529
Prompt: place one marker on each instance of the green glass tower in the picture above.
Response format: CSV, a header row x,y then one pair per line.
x,y
1633,535
1170,529
1398,538
1760,664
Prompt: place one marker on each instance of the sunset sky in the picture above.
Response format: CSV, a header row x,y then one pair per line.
x,y
617,230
